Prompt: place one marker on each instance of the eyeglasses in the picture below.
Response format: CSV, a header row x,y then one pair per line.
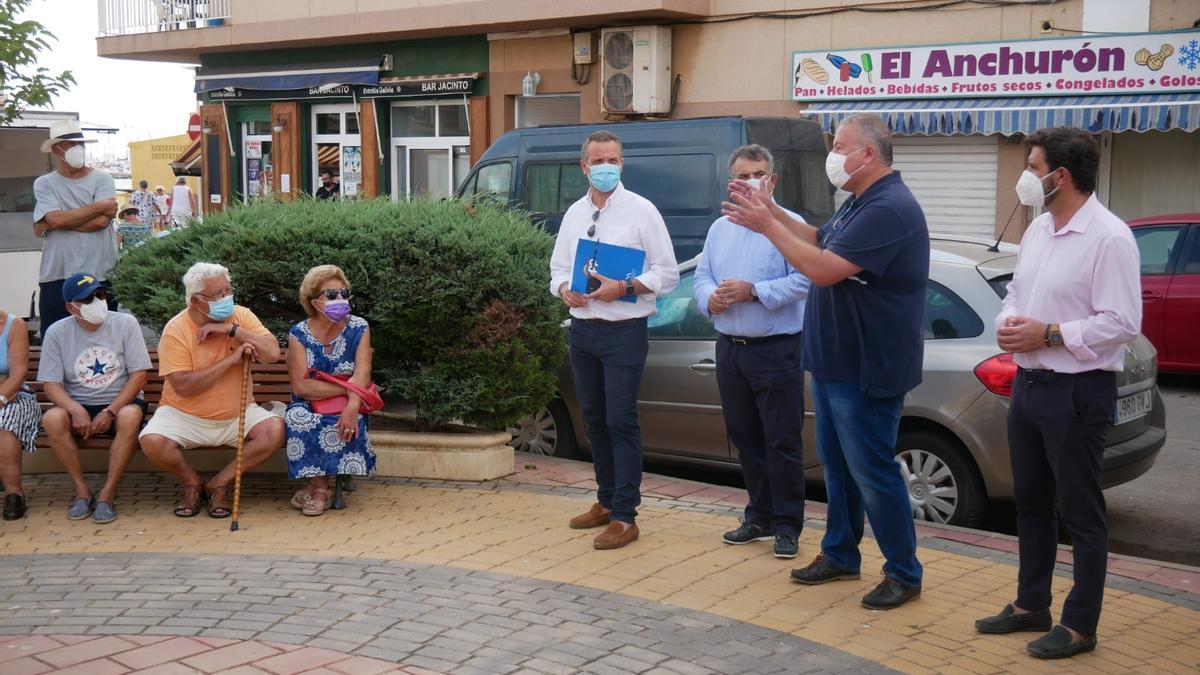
x,y
217,295
333,293
595,217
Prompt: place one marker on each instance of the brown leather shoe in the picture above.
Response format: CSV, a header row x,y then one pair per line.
x,y
616,535
597,516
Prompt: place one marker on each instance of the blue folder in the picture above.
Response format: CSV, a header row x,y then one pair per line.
x,y
614,262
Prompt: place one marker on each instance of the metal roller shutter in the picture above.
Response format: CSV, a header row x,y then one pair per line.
x,y
954,180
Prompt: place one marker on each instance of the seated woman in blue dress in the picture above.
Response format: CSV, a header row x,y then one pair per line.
x,y
332,341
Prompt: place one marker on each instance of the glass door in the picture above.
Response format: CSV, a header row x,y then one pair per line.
x,y
431,148
257,166
337,148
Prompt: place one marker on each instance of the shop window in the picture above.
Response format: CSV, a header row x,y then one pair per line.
x,y
947,316
452,120
1156,245
552,188
329,123
540,111
258,129
414,121
352,123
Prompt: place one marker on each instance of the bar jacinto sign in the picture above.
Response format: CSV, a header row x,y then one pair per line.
x,y
1137,63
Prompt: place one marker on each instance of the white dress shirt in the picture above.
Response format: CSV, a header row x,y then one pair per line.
x,y
626,220
1085,277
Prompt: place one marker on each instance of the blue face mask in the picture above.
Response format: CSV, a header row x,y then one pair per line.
x,y
219,310
604,177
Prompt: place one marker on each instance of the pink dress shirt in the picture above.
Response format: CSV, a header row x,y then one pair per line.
x,y
1087,278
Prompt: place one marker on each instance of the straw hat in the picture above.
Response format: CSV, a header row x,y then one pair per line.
x,y
64,130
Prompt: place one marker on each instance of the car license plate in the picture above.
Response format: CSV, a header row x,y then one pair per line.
x,y
1131,407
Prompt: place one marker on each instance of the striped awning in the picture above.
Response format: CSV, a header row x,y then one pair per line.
x,y
947,117
188,163
328,155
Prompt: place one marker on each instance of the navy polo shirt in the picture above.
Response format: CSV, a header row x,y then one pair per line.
x,y
867,328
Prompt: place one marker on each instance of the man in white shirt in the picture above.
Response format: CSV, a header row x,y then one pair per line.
x,y
1073,304
609,336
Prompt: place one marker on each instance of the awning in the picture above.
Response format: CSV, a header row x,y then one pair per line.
x,y
295,76
933,117
188,163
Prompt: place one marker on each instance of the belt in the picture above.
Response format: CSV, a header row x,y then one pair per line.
x,y
610,323
740,340
1034,375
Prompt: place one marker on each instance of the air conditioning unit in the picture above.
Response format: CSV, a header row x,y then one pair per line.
x,y
635,70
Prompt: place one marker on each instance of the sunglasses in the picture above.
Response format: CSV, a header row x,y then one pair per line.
x,y
98,293
592,229
334,293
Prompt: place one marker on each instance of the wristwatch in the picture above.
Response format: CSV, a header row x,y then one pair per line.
x,y
233,330
754,293
1054,336
629,287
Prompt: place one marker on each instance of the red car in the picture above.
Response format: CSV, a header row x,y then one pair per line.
x,y
1170,248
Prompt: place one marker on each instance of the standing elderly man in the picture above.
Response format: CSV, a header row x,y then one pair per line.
x,y
75,205
1073,304
863,344
756,301
200,357
609,337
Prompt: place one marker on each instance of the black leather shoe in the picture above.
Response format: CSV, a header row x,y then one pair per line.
x,y
786,546
14,507
822,570
747,533
1057,644
890,594
1008,621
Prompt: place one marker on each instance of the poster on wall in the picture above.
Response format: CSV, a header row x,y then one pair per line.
x,y
1135,63
351,169
253,149
253,171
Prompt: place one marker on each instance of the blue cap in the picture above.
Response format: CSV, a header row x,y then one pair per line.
x,y
79,286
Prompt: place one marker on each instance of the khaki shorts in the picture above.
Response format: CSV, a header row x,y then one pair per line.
x,y
189,431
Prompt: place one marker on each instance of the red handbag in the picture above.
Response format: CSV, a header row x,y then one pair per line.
x,y
334,405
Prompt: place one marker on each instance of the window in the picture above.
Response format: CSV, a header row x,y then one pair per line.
x,y
431,148
690,190
540,111
678,317
552,188
1191,260
329,123
493,179
1156,245
947,317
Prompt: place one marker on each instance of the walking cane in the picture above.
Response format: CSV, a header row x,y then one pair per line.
x,y
241,444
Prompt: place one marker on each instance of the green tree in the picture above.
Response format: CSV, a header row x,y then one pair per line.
x,y
23,83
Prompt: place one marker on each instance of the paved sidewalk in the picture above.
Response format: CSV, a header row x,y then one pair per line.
x,y
423,576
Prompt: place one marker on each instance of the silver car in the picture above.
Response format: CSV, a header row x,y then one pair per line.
x,y
953,444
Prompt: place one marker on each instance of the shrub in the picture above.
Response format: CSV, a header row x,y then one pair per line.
x,y
456,294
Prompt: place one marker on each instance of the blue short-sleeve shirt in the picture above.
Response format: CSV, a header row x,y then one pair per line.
x,y
867,328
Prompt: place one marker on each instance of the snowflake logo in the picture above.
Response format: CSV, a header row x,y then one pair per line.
x,y
1189,55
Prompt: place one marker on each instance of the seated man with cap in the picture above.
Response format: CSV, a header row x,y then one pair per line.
x,y
94,365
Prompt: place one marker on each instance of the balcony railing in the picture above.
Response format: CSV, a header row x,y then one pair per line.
x,y
125,17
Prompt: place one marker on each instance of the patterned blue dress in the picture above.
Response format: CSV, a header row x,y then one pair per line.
x,y
314,446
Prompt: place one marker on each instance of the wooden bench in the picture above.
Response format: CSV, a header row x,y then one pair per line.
x,y
271,383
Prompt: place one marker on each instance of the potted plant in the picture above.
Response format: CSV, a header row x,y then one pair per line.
x,y
466,337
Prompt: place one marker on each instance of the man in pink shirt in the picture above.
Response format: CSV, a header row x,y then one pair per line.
x,y
1073,304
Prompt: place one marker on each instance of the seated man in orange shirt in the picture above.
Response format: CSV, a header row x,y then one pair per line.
x,y
200,357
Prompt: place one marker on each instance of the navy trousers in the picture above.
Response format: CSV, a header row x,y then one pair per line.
x,y
607,359
1056,427
762,396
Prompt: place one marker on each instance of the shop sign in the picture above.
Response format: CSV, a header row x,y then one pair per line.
x,y
458,85
1140,63
407,88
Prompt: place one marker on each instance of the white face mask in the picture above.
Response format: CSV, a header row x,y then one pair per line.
x,y
1031,190
835,168
76,156
94,312
754,182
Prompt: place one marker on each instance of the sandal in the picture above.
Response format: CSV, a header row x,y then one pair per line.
x,y
302,497
218,501
317,503
189,502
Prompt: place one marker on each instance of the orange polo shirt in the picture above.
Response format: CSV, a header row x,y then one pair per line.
x,y
180,350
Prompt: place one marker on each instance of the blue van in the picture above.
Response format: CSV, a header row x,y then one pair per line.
x,y
679,165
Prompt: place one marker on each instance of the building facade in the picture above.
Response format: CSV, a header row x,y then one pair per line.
x,y
400,97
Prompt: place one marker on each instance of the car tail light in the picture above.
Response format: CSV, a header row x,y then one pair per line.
x,y
997,374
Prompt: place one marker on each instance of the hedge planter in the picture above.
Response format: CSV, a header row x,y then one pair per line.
x,y
471,456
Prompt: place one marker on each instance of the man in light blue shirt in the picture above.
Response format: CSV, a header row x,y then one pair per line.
x,y
756,300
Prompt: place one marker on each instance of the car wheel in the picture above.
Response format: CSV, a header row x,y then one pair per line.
x,y
944,486
545,432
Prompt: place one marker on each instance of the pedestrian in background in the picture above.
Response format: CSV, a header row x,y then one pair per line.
x,y
609,338
1073,304
183,203
131,231
863,344
756,301
145,202
74,211
162,215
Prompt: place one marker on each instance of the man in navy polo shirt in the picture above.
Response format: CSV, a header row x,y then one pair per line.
x,y
863,344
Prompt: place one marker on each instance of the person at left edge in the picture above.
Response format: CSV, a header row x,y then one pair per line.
x,y
756,301
75,205
609,339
